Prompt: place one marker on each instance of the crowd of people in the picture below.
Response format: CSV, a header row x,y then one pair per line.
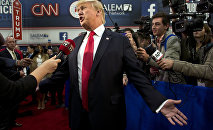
x,y
100,65
179,63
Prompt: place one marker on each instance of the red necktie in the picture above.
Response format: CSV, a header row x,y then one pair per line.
x,y
86,68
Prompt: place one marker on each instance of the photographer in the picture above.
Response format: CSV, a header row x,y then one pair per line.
x,y
168,44
203,70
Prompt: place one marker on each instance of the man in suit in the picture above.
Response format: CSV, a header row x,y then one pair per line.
x,y
9,52
13,73
101,106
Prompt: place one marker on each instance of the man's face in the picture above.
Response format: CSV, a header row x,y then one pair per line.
x,y
11,43
30,50
87,15
158,28
49,52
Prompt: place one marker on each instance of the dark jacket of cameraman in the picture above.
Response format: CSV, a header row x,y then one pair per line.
x,y
203,71
173,51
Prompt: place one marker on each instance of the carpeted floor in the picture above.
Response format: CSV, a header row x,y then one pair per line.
x,y
51,118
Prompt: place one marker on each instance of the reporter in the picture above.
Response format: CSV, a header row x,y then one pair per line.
x,y
202,71
168,44
8,88
11,93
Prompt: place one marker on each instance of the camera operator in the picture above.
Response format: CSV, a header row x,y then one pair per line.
x,y
168,44
203,70
192,38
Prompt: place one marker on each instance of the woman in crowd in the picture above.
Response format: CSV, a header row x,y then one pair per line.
x,y
203,70
37,61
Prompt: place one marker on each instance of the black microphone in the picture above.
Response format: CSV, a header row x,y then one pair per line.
x,y
154,52
65,48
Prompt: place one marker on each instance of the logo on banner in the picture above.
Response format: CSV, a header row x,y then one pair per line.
x,y
118,9
63,36
41,9
39,36
6,7
149,9
73,10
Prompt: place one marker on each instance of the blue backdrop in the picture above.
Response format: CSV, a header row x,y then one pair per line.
x,y
196,105
123,12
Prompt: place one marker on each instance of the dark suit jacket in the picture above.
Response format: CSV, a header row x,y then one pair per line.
x,y
7,63
11,94
107,110
11,73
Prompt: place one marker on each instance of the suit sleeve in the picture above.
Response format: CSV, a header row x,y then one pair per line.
x,y
11,91
137,76
7,63
57,79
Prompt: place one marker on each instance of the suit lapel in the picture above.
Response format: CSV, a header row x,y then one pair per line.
x,y
101,49
8,54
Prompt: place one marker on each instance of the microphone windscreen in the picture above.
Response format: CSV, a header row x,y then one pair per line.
x,y
66,46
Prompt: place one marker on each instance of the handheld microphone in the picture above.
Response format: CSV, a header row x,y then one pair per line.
x,y
65,48
36,51
155,53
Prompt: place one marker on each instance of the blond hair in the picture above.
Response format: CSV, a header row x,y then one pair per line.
x,y
97,5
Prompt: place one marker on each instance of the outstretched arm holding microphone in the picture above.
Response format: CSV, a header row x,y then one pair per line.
x,y
16,91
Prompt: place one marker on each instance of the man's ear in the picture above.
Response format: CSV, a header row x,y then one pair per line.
x,y
167,26
98,12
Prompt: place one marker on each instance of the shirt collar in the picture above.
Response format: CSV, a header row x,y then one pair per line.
x,y
98,31
10,50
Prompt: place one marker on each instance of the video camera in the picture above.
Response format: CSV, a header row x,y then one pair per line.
x,y
178,6
184,24
205,6
187,22
145,23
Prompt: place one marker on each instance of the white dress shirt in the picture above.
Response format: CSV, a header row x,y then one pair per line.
x,y
97,38
12,53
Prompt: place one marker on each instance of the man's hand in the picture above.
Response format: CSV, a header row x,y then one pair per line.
x,y
166,64
131,40
154,71
141,54
172,113
24,62
125,80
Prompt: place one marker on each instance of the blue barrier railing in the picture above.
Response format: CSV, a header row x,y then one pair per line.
x,y
197,105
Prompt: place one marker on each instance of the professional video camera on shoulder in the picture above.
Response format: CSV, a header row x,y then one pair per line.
x,y
189,22
185,22
205,6
178,6
144,25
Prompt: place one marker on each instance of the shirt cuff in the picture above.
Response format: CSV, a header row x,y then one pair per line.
x,y
160,107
